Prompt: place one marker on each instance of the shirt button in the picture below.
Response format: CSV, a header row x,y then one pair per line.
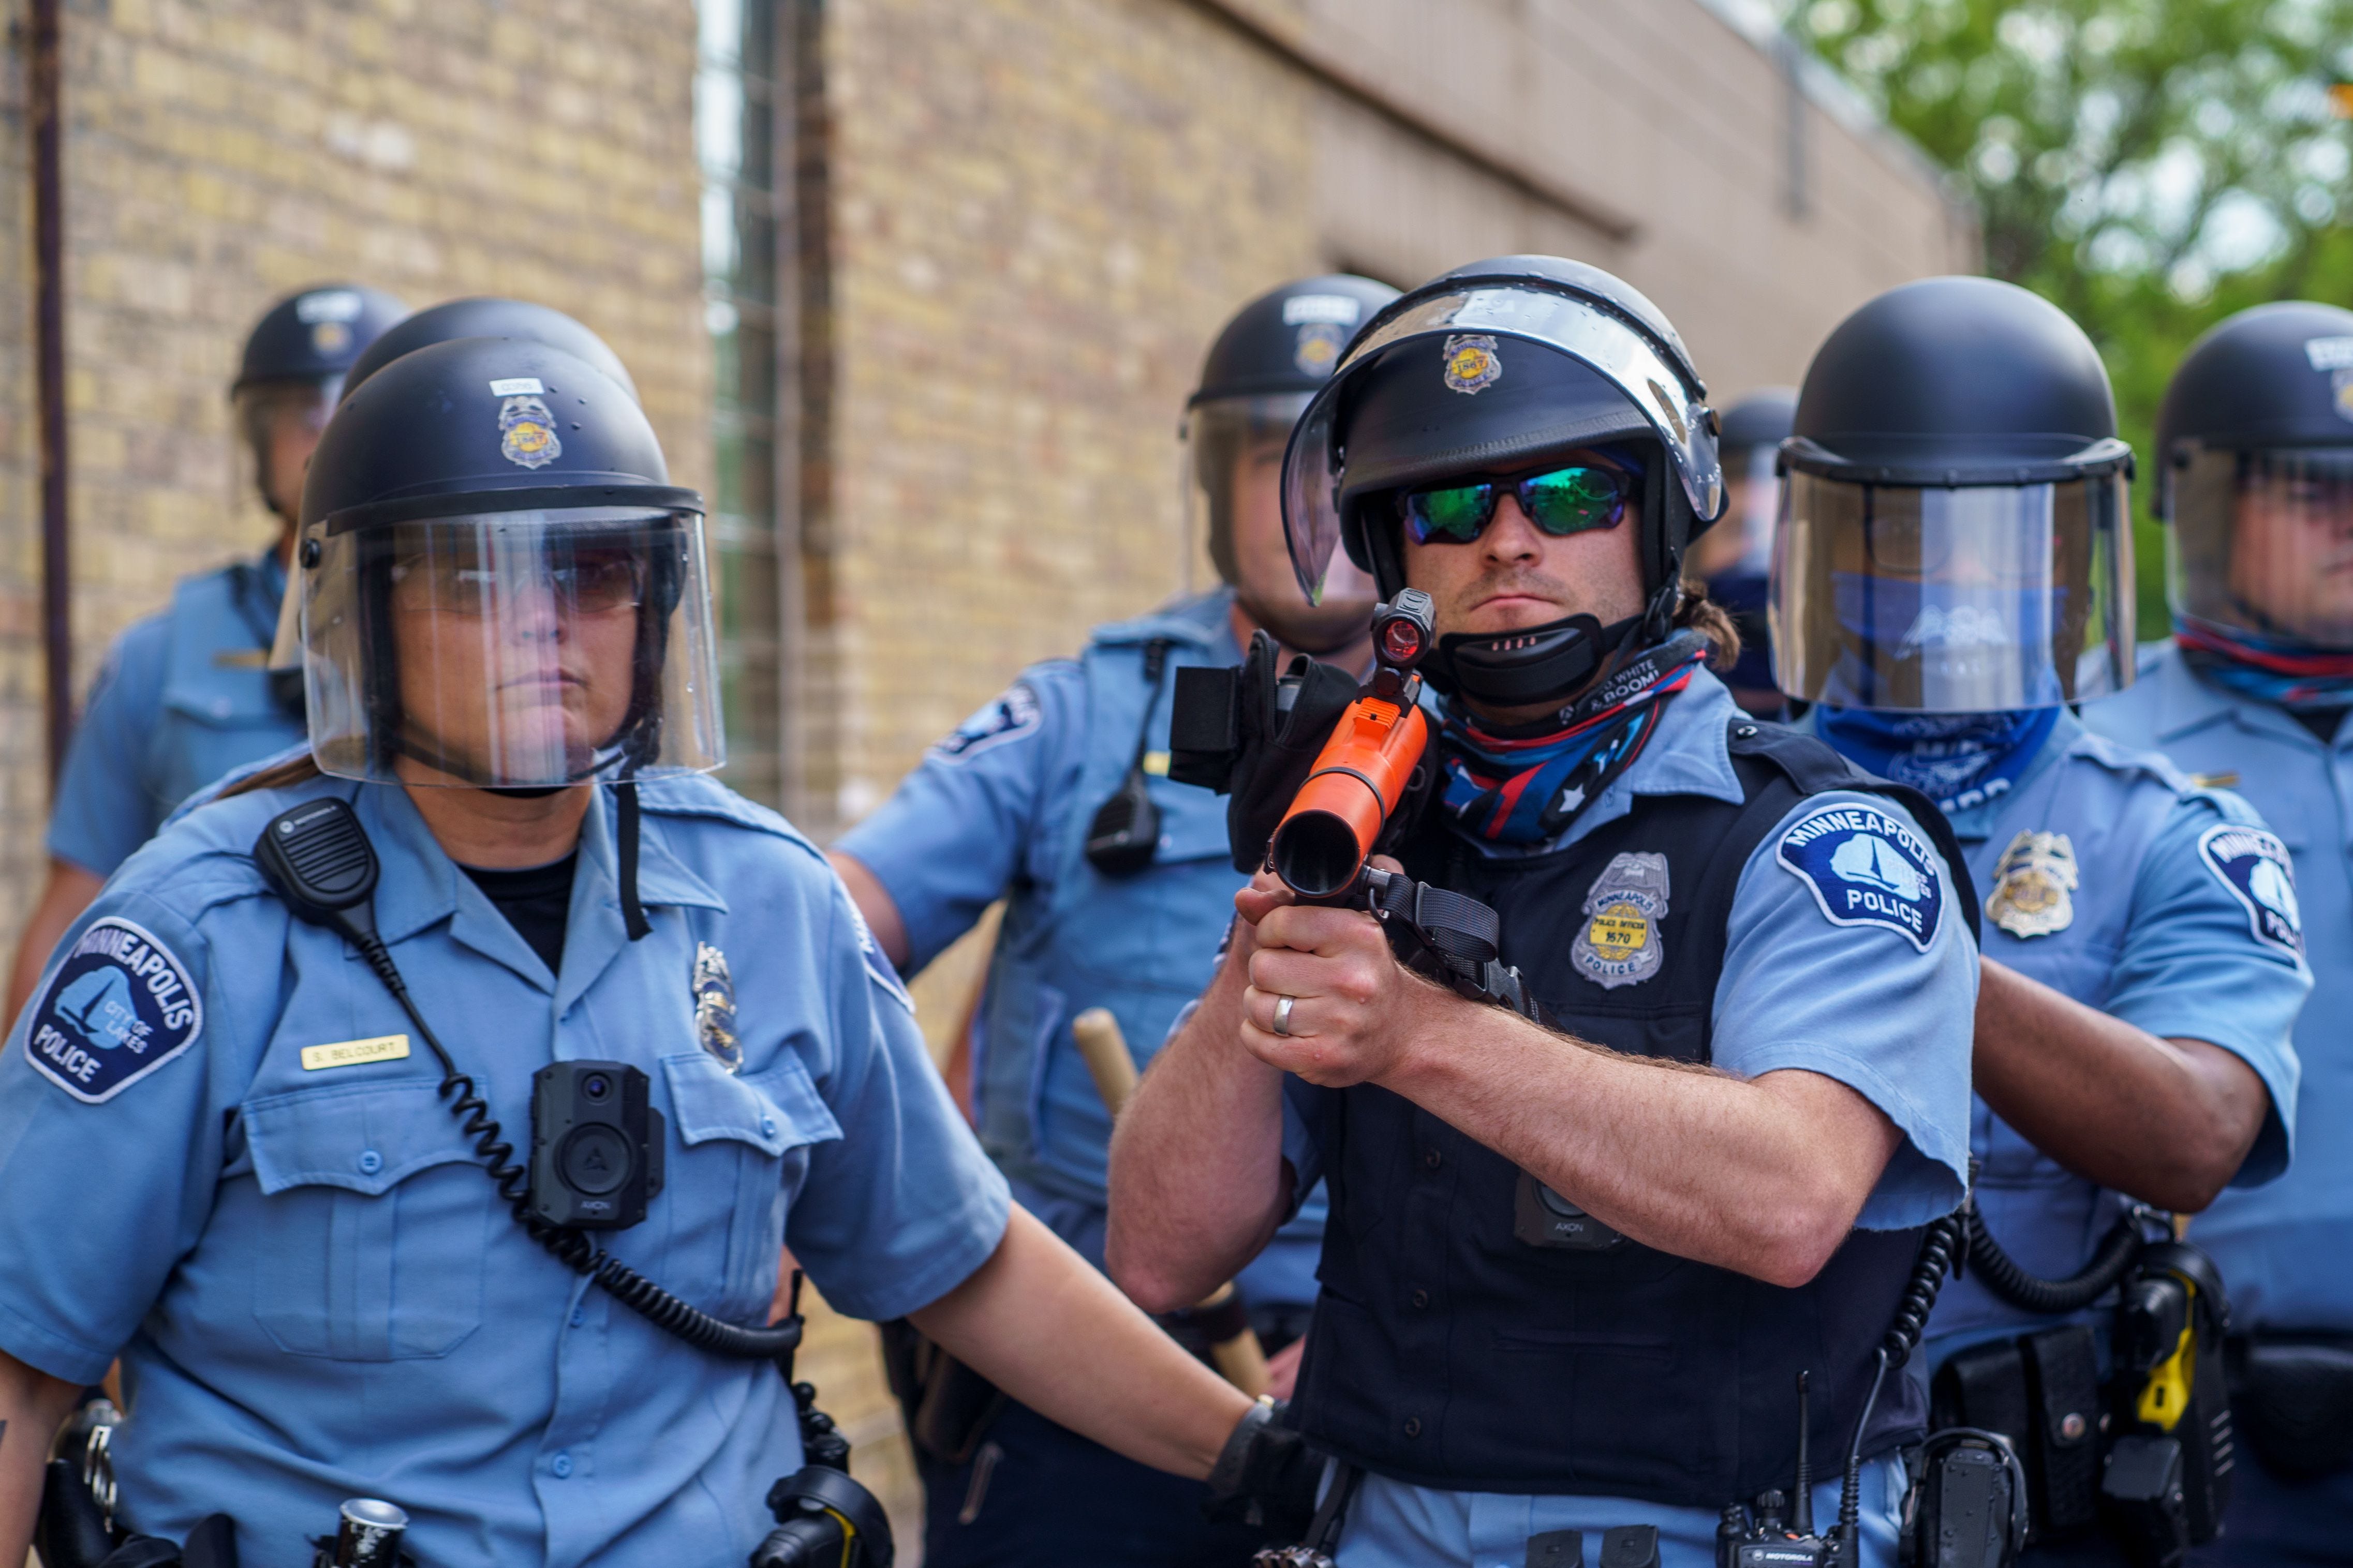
x,y
1420,1299
767,1127
563,1466
1413,1425
370,1162
1432,1158
579,1316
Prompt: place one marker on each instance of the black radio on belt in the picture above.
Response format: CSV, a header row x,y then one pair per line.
x,y
596,1145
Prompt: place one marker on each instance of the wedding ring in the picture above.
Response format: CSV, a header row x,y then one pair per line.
x,y
1282,1014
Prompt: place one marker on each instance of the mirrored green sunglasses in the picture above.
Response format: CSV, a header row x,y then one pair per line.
x,y
1562,502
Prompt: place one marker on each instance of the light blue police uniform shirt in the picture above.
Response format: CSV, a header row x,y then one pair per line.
x,y
313,1288
1000,809
183,697
1860,1002
2158,935
2285,1250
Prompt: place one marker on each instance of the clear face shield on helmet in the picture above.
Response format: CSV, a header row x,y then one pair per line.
x,y
278,423
1478,323
1232,471
511,649
2261,545
1976,599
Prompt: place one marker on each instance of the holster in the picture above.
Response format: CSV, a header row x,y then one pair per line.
x,y
949,1407
71,1532
2292,1395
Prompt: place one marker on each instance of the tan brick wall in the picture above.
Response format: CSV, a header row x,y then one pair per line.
x,y
223,153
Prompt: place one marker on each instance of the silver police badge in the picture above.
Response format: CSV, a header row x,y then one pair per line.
x,y
1472,363
714,1007
2032,884
1619,944
527,433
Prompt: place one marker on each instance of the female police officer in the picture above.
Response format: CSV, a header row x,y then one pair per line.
x,y
1955,565
229,1154
1762,949
2255,443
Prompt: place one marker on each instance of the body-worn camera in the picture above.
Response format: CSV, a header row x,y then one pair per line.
x,y
596,1145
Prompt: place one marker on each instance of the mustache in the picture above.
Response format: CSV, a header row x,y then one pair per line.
x,y
1517,580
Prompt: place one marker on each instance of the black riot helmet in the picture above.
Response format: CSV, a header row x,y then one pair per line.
x,y
501,586
487,316
1753,431
295,362
2254,445
1492,368
1954,535
1266,364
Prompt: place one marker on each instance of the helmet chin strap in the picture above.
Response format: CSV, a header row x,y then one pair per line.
x,y
1528,664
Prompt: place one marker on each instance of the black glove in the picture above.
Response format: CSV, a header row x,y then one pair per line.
x,y
1253,734
1266,1475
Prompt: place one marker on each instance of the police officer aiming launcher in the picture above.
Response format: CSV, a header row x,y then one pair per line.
x,y
185,696
1575,1270
1956,567
461,1081
1055,796
2255,477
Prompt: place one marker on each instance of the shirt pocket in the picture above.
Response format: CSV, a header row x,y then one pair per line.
x,y
745,1144
380,1216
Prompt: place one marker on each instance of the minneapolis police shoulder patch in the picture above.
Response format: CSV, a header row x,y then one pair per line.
x,y
1866,867
2256,866
120,1006
1008,718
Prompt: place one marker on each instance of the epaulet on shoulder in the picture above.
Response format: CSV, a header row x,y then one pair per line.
x,y
1806,760
2119,758
1194,620
699,794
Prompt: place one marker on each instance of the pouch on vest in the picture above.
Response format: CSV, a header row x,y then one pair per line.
x,y
2042,1393
2293,1400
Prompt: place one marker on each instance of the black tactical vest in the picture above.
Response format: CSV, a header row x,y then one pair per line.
x,y
1448,1351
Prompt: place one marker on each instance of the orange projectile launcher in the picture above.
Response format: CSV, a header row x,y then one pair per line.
x,y
1320,845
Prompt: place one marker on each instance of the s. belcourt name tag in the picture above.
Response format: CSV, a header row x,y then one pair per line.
x,y
351,1052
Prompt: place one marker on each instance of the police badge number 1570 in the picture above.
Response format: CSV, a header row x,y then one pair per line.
x,y
120,1006
1866,867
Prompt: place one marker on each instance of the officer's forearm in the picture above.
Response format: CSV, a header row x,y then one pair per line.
x,y
1198,1180
876,904
2166,1122
33,1404
67,892
1039,1323
1764,1176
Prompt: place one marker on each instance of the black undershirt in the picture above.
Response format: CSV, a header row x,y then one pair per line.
x,y
536,901
2321,721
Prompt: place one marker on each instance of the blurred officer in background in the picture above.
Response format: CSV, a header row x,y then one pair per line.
x,y
1571,1279
185,695
1055,797
1956,568
311,1238
2254,454
1735,559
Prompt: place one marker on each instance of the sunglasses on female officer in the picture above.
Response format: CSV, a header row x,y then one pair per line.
x,y
1565,502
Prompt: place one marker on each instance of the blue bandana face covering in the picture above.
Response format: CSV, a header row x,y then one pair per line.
x,y
1525,789
2270,669
1957,760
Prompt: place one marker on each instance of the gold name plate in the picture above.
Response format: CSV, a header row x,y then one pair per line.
x,y
351,1052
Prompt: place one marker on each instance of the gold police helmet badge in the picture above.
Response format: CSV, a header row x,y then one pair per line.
x,y
2340,383
526,429
1619,944
714,1007
1316,348
1472,363
329,339
2032,884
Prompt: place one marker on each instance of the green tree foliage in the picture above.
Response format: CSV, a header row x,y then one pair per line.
x,y
2151,166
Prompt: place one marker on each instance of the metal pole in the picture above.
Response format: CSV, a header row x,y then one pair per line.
x,y
50,363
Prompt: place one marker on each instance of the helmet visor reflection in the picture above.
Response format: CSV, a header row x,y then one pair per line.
x,y
1971,599
2261,544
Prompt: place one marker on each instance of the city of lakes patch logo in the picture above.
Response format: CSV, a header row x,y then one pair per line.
x,y
2256,866
2033,886
1472,363
1008,718
1316,348
527,431
1619,944
120,1006
1866,867
714,1007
